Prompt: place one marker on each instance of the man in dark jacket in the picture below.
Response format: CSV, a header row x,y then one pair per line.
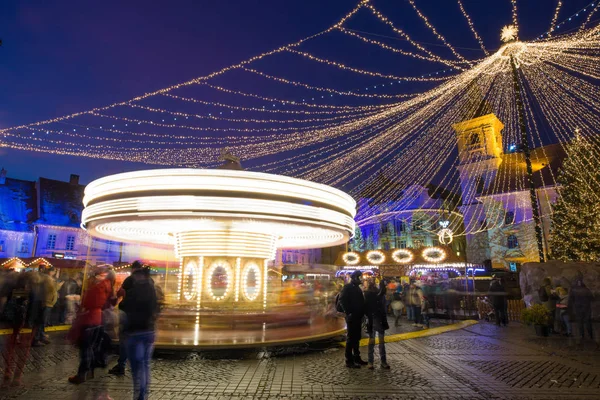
x,y
580,307
353,303
136,268
499,302
141,309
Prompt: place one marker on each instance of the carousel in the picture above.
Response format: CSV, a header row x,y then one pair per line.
x,y
224,226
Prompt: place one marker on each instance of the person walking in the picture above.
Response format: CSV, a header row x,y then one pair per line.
x,y
136,268
562,310
87,328
47,296
141,309
497,295
580,307
352,303
397,305
377,324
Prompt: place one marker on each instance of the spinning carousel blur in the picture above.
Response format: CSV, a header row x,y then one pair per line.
x,y
225,226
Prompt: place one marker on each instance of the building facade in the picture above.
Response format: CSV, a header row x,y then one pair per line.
x,y
496,201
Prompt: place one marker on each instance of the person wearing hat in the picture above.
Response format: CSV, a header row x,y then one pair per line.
x,y
352,303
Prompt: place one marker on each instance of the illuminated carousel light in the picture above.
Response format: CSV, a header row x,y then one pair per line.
x,y
251,267
225,266
217,213
189,280
433,254
403,256
351,258
375,257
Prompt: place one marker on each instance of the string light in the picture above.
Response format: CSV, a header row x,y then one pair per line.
x,y
375,257
433,254
472,27
403,256
554,18
351,258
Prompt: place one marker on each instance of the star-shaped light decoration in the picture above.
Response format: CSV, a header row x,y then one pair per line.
x,y
509,33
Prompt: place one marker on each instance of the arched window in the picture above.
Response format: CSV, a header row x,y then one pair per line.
x,y
509,218
512,242
474,140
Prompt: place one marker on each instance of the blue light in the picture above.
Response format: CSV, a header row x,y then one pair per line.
x,y
512,147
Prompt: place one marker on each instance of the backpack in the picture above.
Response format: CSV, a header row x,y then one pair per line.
x,y
543,294
338,303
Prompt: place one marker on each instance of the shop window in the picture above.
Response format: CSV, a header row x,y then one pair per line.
x,y
512,242
51,243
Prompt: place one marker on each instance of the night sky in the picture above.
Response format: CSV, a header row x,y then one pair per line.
x,y
62,57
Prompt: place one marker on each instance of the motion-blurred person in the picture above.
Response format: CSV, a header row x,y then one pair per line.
x,y
425,305
8,280
377,324
562,311
16,350
88,323
71,287
580,307
397,305
141,308
414,302
548,299
352,303
497,295
45,295
136,268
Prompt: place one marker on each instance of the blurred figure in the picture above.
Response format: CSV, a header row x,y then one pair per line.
x,y
377,324
136,268
16,351
397,304
425,305
41,295
352,303
413,296
548,299
8,280
497,294
580,307
70,288
141,309
562,311
88,324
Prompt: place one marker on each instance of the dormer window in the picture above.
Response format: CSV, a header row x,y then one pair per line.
x,y
474,140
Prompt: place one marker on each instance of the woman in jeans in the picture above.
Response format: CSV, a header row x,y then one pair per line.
x,y
377,323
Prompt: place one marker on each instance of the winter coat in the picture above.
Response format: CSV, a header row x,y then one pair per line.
x,y
580,300
375,309
94,299
140,304
50,290
497,294
353,301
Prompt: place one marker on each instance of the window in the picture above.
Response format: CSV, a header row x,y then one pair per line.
x,y
24,247
386,246
474,140
417,243
402,244
509,218
417,225
94,246
108,245
2,246
384,228
70,242
512,242
51,243
400,226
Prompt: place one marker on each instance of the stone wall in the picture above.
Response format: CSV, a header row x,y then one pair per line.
x,y
563,273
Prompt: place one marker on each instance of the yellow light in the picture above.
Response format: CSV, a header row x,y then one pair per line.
x,y
403,256
433,254
376,257
351,258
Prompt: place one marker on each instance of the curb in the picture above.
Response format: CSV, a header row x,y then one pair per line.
x,y
58,328
418,334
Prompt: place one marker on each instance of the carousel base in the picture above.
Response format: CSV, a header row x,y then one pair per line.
x,y
208,331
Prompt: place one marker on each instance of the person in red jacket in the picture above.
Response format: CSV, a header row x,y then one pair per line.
x,y
89,321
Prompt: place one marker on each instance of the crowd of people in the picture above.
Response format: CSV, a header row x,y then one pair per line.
x,y
29,298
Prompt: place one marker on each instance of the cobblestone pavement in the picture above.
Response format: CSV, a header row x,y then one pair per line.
x,y
480,362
